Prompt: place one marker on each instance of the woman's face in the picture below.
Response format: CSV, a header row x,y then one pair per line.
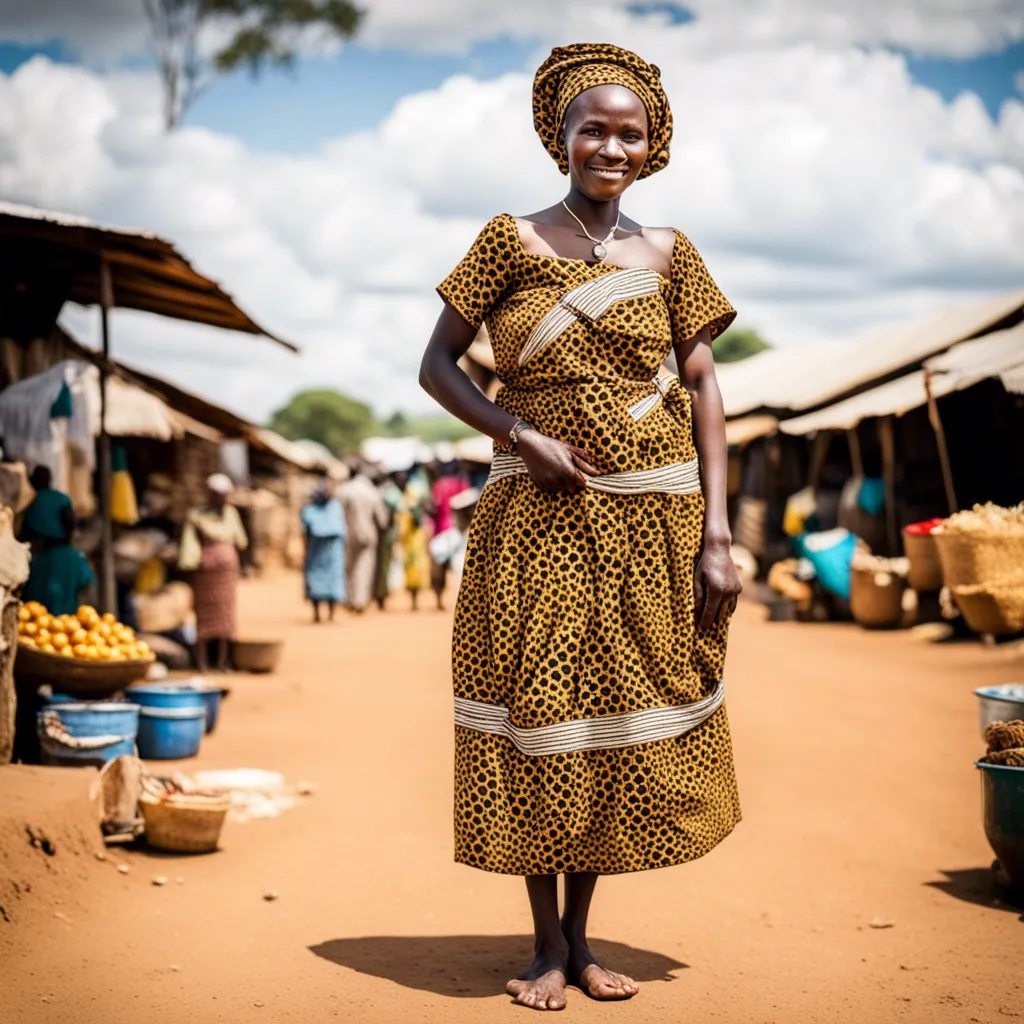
x,y
606,139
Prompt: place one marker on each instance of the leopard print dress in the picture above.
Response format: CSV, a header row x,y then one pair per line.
x,y
590,730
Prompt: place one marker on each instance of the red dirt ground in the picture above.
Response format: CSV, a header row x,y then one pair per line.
x,y
854,754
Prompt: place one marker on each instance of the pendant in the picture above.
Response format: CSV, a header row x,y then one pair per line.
x,y
600,251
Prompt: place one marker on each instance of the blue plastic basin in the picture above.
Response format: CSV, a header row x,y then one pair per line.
x,y
89,721
213,695
167,695
1002,790
167,734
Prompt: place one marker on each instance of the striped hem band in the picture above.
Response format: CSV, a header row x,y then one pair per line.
x,y
600,733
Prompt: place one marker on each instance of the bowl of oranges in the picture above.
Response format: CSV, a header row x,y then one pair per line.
x,y
86,654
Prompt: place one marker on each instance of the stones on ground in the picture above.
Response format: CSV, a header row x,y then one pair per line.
x,y
160,880
179,880
123,868
305,788
100,855
271,896
175,968
881,922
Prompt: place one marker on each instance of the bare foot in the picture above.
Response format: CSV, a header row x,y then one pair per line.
x,y
596,981
542,985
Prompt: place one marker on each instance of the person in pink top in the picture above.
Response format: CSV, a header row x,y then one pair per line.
x,y
450,480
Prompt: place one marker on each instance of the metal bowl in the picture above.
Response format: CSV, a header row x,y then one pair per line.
x,y
1003,703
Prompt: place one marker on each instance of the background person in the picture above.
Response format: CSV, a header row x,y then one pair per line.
x,y
366,516
210,542
324,529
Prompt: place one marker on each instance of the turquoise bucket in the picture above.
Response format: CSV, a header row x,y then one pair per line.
x,y
87,733
1002,789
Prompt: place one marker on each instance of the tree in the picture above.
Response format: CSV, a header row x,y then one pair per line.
x,y
256,34
738,343
338,422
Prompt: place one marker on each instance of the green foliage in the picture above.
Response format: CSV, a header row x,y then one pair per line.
x,y
429,428
738,343
338,422
258,34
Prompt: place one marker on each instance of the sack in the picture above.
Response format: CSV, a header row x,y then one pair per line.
x,y
799,508
831,554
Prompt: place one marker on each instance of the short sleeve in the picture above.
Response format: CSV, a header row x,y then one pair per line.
x,y
485,273
695,301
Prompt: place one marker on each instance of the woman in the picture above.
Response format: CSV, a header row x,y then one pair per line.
x,y
323,525
60,576
210,542
449,482
591,622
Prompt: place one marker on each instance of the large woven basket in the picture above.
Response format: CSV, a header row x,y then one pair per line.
x,y
923,554
996,608
184,822
980,558
95,679
876,598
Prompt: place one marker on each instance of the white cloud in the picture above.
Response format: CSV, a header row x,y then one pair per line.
x,y
105,29
824,187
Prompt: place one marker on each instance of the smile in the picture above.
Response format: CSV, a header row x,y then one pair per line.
x,y
609,172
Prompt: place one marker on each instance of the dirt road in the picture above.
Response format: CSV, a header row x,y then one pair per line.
x,y
861,805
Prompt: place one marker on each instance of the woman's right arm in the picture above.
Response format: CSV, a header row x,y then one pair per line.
x,y
553,465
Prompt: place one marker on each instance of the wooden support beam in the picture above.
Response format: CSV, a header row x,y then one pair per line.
x,y
108,585
940,439
886,438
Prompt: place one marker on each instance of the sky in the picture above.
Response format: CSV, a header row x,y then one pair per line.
x,y
838,165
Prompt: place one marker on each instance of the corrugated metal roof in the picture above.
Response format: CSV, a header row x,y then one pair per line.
x,y
805,376
992,355
147,272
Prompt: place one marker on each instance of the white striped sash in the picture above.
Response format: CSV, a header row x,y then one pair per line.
x,y
676,478
647,404
590,300
600,733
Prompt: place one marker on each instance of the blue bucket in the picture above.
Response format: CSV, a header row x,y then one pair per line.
x,y
167,734
213,695
90,733
167,695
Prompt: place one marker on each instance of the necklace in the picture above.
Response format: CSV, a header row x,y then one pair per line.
x,y
600,247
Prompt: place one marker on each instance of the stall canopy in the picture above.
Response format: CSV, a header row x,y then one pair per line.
x,y
146,271
1000,354
806,376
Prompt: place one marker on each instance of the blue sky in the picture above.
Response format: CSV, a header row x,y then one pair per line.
x,y
822,167
324,97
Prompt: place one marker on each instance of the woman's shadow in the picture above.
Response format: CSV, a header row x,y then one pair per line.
x,y
472,966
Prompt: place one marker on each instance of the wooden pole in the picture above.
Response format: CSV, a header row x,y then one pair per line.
x,y
940,439
819,455
856,460
108,586
887,441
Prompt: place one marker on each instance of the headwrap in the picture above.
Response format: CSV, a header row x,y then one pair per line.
x,y
571,70
220,483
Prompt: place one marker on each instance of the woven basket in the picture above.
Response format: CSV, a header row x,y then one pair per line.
x,y
979,558
996,608
925,567
876,598
184,822
93,679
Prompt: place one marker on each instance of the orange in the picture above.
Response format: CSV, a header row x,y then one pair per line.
x,y
43,635
72,623
109,618
43,621
79,636
60,641
48,648
24,615
91,653
27,641
66,652
30,629
80,650
104,629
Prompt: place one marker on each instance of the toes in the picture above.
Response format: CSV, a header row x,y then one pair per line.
x,y
515,987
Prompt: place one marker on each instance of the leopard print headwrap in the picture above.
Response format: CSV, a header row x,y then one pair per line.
x,y
571,70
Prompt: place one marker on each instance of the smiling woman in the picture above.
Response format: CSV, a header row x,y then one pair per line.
x,y
591,736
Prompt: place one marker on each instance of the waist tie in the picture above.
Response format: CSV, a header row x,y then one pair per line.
x,y
598,733
675,478
647,404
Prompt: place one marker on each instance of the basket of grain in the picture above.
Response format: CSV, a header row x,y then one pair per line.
x,y
996,608
982,545
925,572
877,586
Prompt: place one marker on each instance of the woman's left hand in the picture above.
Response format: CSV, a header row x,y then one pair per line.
x,y
716,585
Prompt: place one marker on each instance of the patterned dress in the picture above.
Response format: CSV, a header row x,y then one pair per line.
x,y
590,729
